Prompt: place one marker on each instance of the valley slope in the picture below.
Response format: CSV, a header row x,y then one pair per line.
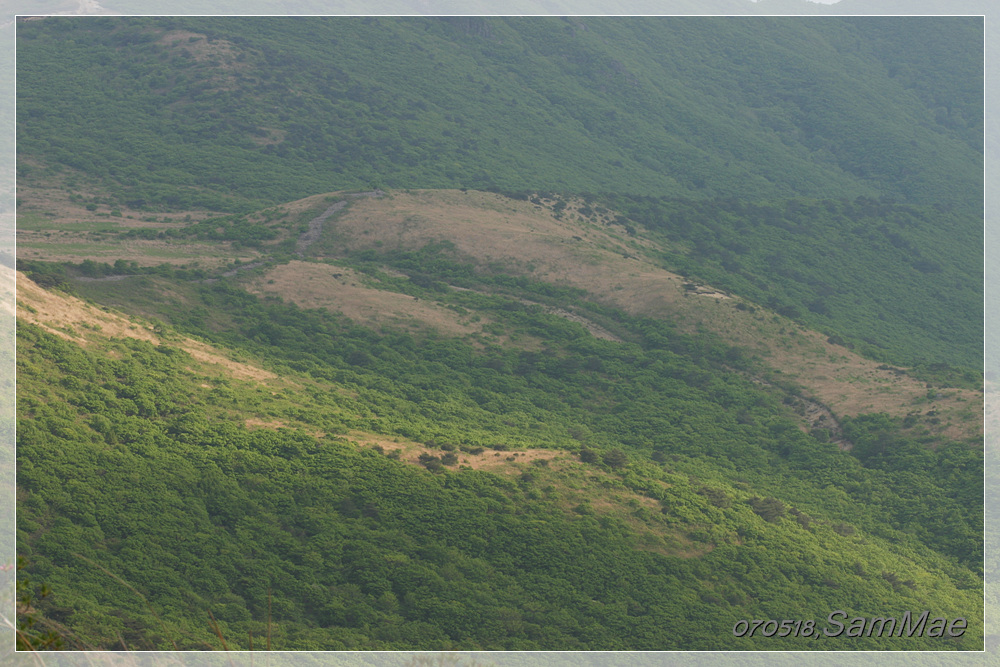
x,y
497,333
589,397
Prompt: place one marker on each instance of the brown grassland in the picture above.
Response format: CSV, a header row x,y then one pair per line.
x,y
530,239
519,237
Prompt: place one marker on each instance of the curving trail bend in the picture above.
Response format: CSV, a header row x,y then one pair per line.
x,y
316,224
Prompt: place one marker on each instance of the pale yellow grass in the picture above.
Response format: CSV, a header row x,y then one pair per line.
x,y
526,239
312,285
74,319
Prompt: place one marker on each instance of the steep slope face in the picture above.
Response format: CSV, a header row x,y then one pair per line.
x,y
221,112
220,483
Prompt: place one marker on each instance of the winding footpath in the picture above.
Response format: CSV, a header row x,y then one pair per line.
x,y
316,224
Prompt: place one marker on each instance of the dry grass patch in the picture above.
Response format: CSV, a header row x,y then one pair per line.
x,y
75,248
628,506
209,355
529,239
55,311
488,227
311,285
53,227
585,488
76,320
506,462
50,197
273,424
843,381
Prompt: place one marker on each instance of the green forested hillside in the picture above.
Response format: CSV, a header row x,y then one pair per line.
x,y
130,467
498,333
901,284
222,112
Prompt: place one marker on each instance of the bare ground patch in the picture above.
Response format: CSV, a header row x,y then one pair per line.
x,y
586,488
76,320
312,285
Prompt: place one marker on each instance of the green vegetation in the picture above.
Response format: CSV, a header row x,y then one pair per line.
x,y
173,477
228,114
898,283
216,467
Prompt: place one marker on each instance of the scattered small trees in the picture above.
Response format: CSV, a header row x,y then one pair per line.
x,y
770,509
616,459
430,462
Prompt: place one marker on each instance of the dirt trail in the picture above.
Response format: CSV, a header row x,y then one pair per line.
x,y
316,228
316,224
595,330
103,279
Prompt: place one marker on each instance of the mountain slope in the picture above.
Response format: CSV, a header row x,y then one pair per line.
x,y
498,333
574,245
752,108
362,550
